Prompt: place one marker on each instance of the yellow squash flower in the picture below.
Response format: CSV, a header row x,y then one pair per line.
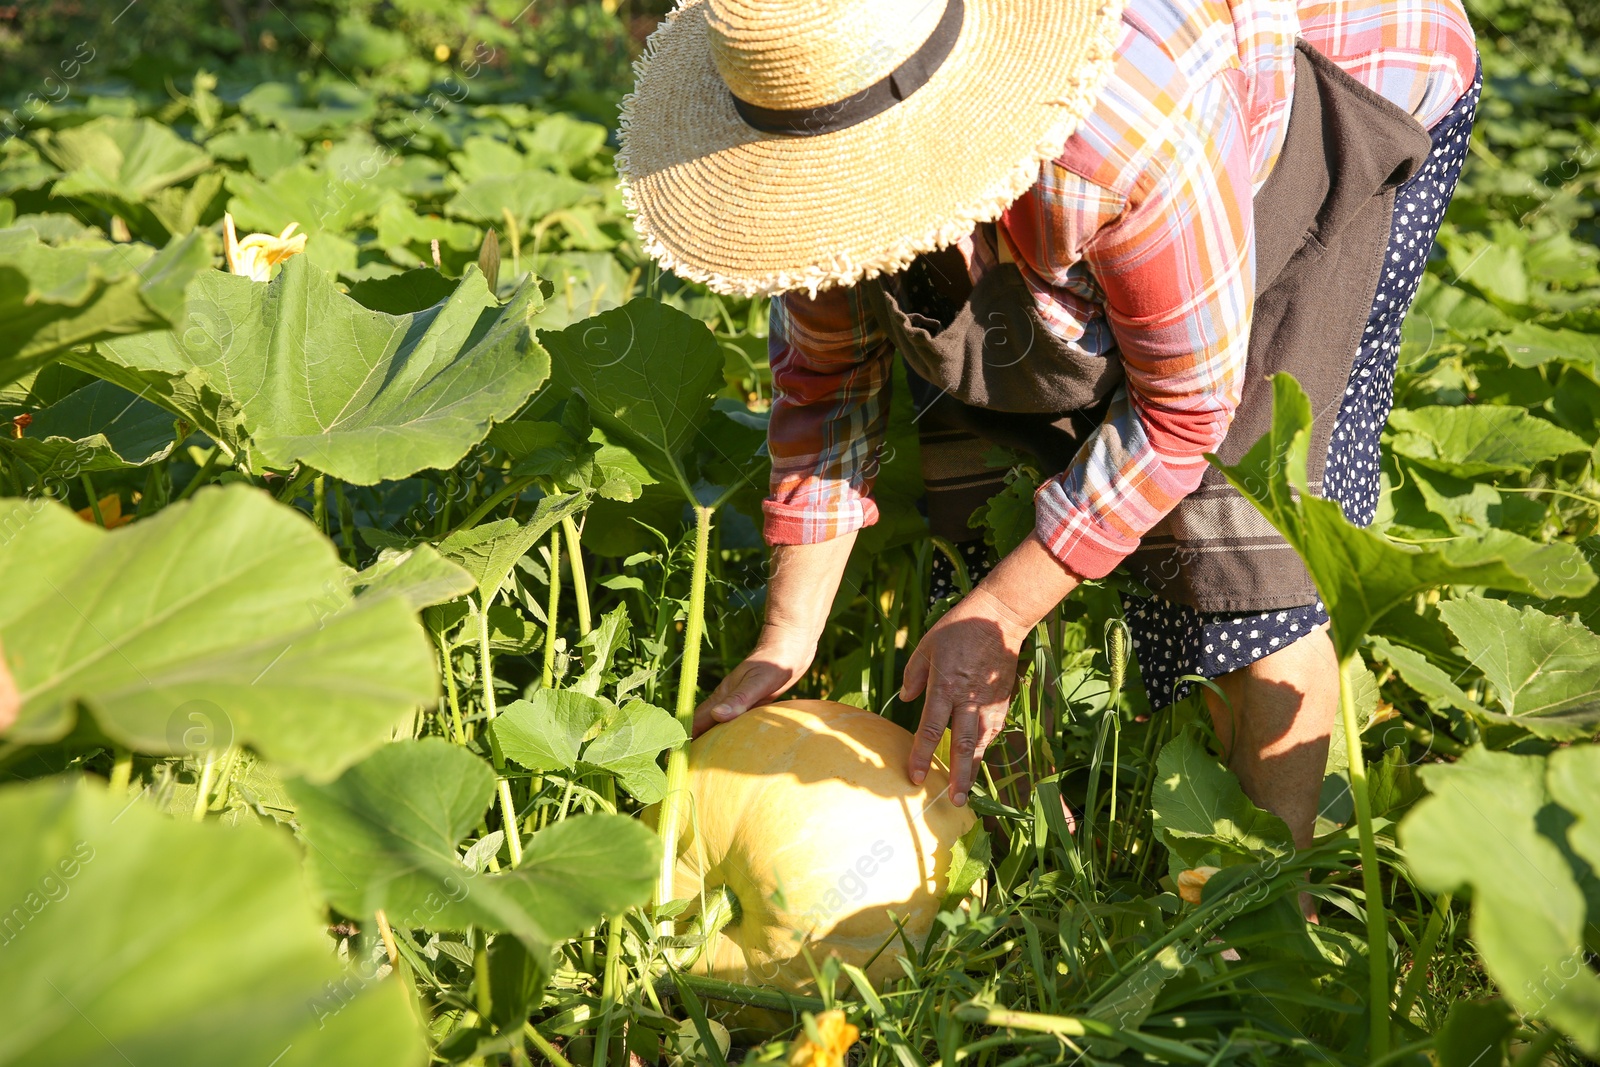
x,y
1191,882
837,1035
256,255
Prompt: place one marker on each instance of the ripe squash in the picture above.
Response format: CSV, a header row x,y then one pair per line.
x,y
802,814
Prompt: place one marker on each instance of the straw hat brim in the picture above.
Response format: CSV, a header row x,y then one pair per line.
x,y
747,212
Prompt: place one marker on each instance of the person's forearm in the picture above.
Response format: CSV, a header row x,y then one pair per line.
x,y
804,580
1028,583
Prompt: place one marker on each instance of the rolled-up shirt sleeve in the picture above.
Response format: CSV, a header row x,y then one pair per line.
x,y
831,373
1176,276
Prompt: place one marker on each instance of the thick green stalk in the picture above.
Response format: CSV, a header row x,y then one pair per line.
x,y
1371,876
580,578
688,676
508,808
550,608
319,503
450,689
347,522
608,991
1422,957
203,788
94,499
203,475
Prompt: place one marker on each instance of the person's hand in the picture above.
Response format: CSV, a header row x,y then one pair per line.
x,y
781,656
967,663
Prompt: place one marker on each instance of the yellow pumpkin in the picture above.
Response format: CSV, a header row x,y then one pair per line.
x,y
802,812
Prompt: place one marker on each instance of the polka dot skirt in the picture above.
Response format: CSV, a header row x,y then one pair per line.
x,y
1172,640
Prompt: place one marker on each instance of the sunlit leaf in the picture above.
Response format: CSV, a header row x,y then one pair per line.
x,y
1545,671
1483,829
648,373
136,938
54,298
229,607
1360,574
359,394
386,835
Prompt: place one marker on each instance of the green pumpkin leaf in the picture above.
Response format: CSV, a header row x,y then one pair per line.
x,y
1545,671
52,299
648,372
488,552
227,610
546,731
1361,574
418,574
386,835
1481,830
136,938
1200,809
359,394
1468,441
631,738
100,427
529,195
120,159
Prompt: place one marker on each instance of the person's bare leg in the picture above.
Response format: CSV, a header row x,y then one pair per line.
x,y
1274,728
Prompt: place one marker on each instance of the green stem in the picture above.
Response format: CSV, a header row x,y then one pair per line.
x,y
319,503
508,807
1371,877
549,1051
224,778
552,605
203,475
347,522
121,771
1422,957
608,991
450,690
203,789
1538,1049
580,577
94,500
510,489
688,677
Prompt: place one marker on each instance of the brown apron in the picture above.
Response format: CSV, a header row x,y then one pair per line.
x,y
992,372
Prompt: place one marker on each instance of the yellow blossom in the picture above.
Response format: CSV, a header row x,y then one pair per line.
x,y
1190,883
256,255
837,1036
441,52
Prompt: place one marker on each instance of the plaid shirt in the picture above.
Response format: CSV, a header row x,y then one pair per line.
x,y
1136,243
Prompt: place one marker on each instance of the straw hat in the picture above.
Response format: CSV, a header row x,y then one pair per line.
x,y
772,145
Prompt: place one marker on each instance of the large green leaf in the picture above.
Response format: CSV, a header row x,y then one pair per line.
x,y
1482,829
54,298
1545,671
418,574
134,938
562,730
99,427
359,394
488,552
529,195
121,159
648,372
1468,441
1361,574
386,834
1201,811
229,607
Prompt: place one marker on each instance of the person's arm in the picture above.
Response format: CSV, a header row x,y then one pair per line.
x,y
830,373
800,593
1175,269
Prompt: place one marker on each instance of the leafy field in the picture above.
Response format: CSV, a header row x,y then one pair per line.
x,y
349,619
